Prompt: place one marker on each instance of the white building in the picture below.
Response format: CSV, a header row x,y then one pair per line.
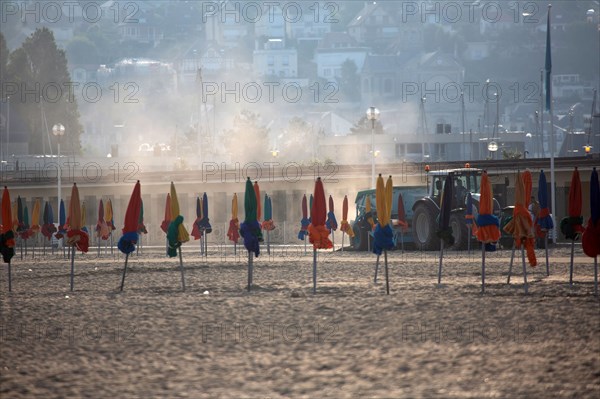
x,y
274,60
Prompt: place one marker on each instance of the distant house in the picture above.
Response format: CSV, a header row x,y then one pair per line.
x,y
307,29
374,26
145,29
272,59
226,27
271,25
202,55
333,50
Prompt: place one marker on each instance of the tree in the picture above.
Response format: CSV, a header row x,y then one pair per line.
x,y
248,139
364,126
349,78
297,142
40,66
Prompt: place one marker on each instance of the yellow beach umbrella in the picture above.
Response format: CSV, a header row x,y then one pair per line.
x,y
182,233
35,216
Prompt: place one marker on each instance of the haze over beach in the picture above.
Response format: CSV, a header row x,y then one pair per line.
x,y
299,199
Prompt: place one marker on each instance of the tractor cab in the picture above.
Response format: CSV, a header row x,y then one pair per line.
x,y
465,180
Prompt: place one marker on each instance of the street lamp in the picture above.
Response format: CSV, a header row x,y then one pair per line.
x,y
58,131
372,115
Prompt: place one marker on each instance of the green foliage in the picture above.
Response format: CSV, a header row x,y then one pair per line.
x,y
364,126
349,89
39,62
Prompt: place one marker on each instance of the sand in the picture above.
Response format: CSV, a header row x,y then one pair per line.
x,y
280,340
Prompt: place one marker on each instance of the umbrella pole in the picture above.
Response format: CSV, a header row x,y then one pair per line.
x,y
571,267
440,266
98,242
205,245
181,268
469,239
234,248
33,250
249,270
595,275
524,268
546,247
268,242
305,244
111,244
72,266
44,247
333,240
124,271
482,267
9,278
343,234
21,246
402,240
512,257
314,270
368,242
387,281
376,269
26,247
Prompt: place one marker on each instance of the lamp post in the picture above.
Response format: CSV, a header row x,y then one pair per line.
x,y
58,131
372,115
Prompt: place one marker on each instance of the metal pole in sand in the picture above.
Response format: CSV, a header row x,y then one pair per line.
x,y
9,278
305,244
124,271
571,268
546,247
205,245
72,265
595,275
482,267
181,268
333,240
469,239
524,269
314,270
440,266
268,242
376,269
512,257
343,234
387,281
249,270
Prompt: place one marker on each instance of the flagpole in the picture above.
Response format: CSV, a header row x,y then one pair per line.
x,y
550,106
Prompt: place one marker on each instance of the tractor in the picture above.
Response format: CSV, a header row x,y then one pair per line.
x,y
422,207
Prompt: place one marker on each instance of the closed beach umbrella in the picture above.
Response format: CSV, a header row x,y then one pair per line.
x,y
383,236
196,232
48,227
76,237
83,218
141,226
331,222
130,226
234,224
167,218
344,225
250,228
205,222
488,225
521,224
35,216
109,215
62,220
268,224
318,234
571,226
305,220
444,231
590,240
7,236
544,220
177,233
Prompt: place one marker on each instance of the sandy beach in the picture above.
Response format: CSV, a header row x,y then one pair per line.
x,y
349,340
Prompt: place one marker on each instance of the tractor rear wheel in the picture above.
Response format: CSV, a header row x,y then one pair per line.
x,y
459,231
423,228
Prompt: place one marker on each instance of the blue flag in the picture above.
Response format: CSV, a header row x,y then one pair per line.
x,y
548,66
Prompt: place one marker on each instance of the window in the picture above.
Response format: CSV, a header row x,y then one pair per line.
x,y
270,60
285,60
327,72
